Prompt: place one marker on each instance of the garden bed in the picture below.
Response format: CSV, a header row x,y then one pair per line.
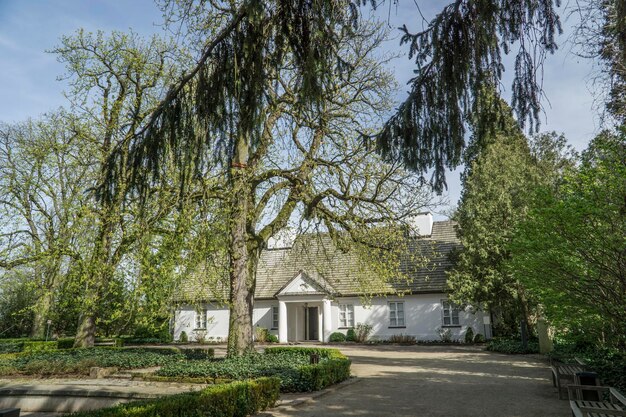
x,y
237,399
512,346
291,365
79,361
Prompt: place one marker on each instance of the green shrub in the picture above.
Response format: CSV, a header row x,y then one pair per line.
x,y
610,366
306,351
198,353
291,365
131,340
608,363
65,343
479,338
12,345
272,338
512,346
469,335
237,399
350,335
34,346
337,337
7,370
26,345
333,368
183,338
78,361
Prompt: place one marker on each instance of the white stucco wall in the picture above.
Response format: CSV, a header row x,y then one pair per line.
x,y
217,322
423,318
423,314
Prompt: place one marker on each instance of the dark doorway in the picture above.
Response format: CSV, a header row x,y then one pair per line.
x,y
312,323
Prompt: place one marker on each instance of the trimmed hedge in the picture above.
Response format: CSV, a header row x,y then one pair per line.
x,y
12,345
65,343
512,346
237,399
34,346
198,353
334,367
132,340
307,351
26,345
291,365
30,345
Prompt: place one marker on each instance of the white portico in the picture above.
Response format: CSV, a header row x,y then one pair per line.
x,y
304,309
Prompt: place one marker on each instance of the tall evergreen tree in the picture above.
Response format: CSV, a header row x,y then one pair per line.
x,y
496,182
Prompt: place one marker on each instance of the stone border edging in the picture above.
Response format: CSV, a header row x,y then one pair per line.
x,y
314,395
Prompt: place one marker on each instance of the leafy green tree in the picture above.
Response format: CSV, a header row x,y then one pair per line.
x,y
115,81
42,181
569,251
308,167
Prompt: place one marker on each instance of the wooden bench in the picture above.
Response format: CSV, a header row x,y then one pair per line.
x,y
10,412
613,404
565,372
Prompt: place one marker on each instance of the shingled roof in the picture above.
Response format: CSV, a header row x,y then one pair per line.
x,y
345,273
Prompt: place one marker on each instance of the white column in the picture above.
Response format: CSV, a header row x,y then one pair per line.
x,y
282,322
327,320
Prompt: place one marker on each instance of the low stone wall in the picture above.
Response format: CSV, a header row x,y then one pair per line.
x,y
63,400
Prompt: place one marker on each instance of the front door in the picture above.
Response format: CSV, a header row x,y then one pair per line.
x,y
312,323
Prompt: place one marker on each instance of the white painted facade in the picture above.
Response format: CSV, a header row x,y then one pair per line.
x,y
423,317
307,307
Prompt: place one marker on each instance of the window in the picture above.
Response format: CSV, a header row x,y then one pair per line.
x,y
346,315
396,314
200,319
450,313
275,317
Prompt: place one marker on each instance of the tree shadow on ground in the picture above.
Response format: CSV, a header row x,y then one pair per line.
x,y
450,383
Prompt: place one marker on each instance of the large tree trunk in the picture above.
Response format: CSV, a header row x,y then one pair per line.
x,y
97,275
86,333
243,254
41,314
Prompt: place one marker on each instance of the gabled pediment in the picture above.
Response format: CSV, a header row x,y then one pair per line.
x,y
303,284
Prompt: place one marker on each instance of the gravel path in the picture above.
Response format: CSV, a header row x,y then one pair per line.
x,y
437,381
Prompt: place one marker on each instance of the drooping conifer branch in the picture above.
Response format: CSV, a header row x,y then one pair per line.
x,y
224,95
456,56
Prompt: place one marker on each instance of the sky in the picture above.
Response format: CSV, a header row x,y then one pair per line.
x,y
29,84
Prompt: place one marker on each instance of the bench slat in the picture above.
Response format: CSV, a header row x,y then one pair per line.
x,y
10,412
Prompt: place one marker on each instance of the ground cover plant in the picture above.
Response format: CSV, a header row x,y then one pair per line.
x,y
608,363
512,346
78,361
291,365
236,399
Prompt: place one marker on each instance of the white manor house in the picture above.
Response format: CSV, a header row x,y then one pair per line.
x,y
308,297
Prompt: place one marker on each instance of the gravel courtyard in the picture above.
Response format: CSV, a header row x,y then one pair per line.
x,y
437,381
